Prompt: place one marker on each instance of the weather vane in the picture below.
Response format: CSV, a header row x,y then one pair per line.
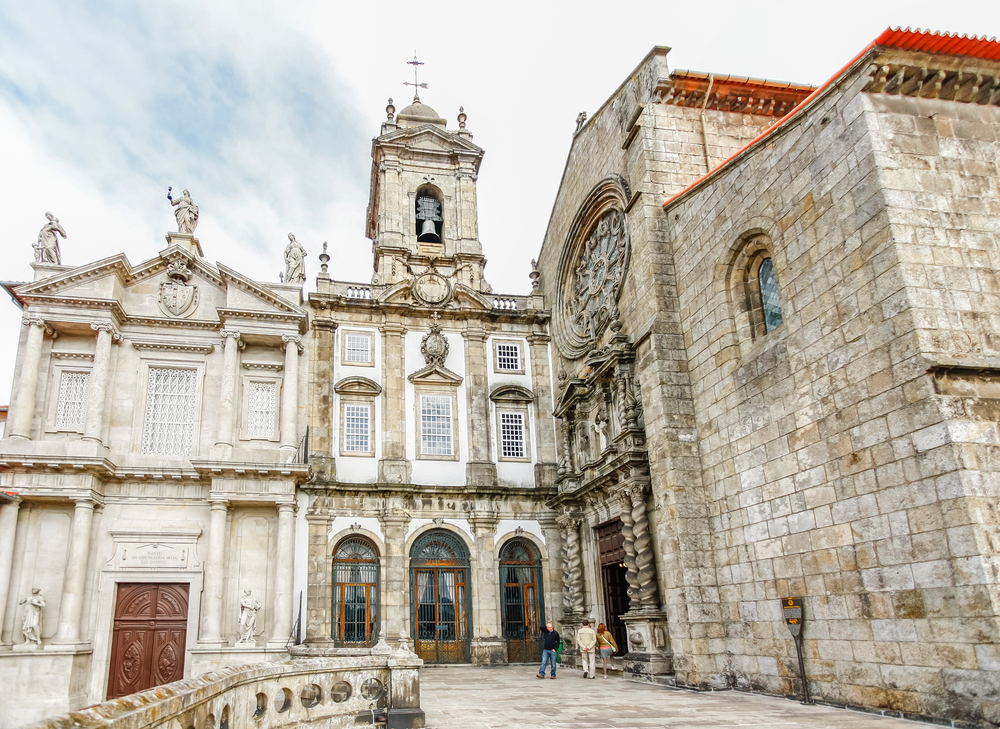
x,y
416,86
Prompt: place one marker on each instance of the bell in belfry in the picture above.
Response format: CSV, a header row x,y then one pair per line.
x,y
428,216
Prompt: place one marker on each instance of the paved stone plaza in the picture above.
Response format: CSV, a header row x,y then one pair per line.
x,y
511,696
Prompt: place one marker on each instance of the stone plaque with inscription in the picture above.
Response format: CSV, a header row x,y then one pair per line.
x,y
153,556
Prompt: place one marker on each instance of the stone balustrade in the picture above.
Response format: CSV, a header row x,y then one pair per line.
x,y
319,692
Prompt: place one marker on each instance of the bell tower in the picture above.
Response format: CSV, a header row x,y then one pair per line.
x,y
422,206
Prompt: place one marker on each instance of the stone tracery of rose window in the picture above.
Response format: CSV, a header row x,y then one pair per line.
x,y
598,276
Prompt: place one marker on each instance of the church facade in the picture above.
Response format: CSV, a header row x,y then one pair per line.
x,y
748,406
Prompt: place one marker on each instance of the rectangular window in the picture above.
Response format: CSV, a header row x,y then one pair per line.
x,y
357,347
72,411
262,399
512,435
508,356
169,420
435,425
357,428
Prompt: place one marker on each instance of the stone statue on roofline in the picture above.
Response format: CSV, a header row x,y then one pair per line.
x,y
47,247
295,262
185,211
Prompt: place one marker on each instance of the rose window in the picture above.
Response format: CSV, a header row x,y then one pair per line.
x,y
598,276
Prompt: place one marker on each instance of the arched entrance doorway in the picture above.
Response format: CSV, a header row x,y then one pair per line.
x,y
521,584
355,593
439,598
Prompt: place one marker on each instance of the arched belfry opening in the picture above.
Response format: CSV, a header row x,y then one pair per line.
x,y
430,221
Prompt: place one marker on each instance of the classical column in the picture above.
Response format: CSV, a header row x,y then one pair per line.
x,y
211,607
396,605
8,528
227,397
19,424
283,584
393,466
97,391
480,470
290,393
75,577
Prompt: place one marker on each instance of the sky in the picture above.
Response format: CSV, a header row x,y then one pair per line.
x,y
265,111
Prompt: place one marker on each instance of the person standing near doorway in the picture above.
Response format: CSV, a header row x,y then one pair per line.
x,y
550,646
607,646
586,641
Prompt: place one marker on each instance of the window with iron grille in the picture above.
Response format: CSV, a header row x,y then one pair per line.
x,y
71,413
357,347
357,428
512,435
262,399
435,425
169,421
509,356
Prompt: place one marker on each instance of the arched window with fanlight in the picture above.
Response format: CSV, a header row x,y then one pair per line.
x,y
769,297
355,593
521,587
439,598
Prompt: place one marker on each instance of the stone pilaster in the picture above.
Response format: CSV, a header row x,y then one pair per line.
x,y
19,423
396,595
554,574
227,394
97,392
75,577
488,645
290,394
8,529
480,470
541,385
393,467
283,583
211,605
319,602
321,358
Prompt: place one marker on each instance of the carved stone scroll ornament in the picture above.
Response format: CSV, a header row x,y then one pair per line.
x,y
598,276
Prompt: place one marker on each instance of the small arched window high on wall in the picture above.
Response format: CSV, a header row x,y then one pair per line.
x,y
355,593
430,222
769,297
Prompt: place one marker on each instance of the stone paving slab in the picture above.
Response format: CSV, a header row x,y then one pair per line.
x,y
510,696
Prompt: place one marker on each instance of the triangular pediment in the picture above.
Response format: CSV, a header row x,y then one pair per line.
x,y
431,137
461,296
435,375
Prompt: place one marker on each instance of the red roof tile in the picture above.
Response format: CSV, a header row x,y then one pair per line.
x,y
949,43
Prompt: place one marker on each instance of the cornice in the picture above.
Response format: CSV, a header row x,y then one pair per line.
x,y
270,366
171,345
84,356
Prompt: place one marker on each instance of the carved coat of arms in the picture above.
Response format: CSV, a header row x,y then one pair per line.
x,y
177,297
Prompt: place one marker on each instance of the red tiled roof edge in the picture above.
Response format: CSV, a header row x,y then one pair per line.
x,y
923,41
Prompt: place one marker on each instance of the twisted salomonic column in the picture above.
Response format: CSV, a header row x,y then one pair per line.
x,y
19,424
227,396
644,558
75,581
97,391
566,459
628,532
290,393
574,567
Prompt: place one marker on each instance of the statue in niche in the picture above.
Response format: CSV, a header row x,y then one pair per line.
x,y
186,212
47,248
295,262
249,605
31,622
584,453
602,427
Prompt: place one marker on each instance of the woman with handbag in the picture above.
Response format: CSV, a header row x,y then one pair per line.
x,y
608,647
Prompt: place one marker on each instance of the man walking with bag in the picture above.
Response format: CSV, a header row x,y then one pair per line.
x,y
586,641
550,647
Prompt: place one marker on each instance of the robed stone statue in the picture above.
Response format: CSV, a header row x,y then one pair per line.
x,y
185,211
295,262
47,248
249,605
31,621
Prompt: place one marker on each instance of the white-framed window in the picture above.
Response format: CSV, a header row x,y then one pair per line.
x,y
358,349
512,435
357,427
262,403
436,425
168,424
507,356
71,411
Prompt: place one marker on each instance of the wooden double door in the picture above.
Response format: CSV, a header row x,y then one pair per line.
x,y
150,631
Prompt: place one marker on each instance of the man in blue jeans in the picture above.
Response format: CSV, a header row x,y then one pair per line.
x,y
549,647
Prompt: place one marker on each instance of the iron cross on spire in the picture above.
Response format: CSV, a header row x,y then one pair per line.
x,y
416,86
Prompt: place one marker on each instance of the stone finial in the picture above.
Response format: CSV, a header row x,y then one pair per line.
x,y
390,112
461,117
324,259
47,247
534,275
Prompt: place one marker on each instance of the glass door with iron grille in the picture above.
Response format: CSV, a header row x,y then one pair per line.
x,y
521,585
355,593
439,598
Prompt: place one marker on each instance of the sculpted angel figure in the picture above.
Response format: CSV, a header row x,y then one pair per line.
x,y
31,622
47,248
249,605
185,211
295,261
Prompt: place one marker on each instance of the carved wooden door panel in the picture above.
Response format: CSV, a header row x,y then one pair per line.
x,y
147,646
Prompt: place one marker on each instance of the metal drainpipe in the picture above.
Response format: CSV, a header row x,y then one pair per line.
x,y
704,130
